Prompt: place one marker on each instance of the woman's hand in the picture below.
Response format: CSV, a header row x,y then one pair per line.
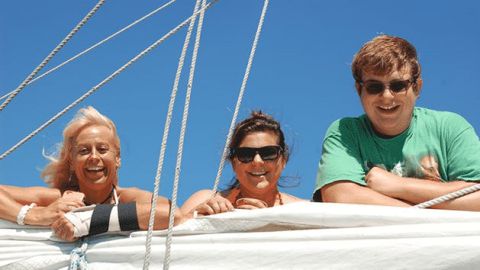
x,y
63,229
250,203
45,216
215,205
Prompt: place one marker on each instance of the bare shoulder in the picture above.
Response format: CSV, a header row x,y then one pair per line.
x,y
196,199
133,194
288,198
42,196
202,194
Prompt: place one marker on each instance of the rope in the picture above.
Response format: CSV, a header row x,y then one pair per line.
x,y
77,257
95,88
166,262
240,97
146,262
50,56
449,196
96,45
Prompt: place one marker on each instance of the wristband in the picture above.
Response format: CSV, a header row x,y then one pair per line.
x,y
23,212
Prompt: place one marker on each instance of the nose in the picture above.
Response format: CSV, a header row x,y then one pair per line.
x,y
387,93
257,158
94,154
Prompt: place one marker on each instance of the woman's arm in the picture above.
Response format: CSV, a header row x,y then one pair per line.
x,y
42,196
206,202
143,206
49,205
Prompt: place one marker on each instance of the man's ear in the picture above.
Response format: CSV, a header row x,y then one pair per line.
x,y
359,88
418,86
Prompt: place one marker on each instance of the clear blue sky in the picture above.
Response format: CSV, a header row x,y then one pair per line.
x,y
301,75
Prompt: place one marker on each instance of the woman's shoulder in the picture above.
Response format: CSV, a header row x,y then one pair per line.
x,y
133,194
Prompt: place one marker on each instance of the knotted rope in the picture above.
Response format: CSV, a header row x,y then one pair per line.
x,y
240,97
51,54
77,257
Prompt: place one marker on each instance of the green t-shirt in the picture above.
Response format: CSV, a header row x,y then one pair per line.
x,y
440,146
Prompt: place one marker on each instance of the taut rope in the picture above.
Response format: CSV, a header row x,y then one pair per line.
x,y
240,97
449,196
166,130
95,45
110,77
51,54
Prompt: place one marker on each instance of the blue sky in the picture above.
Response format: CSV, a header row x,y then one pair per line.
x,y
301,75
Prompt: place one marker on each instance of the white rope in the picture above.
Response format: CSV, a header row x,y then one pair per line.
x,y
95,88
95,45
146,262
168,243
50,56
78,257
240,97
449,196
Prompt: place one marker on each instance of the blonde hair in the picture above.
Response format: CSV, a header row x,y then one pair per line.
x,y
59,172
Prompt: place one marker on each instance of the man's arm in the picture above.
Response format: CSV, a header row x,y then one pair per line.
x,y
417,191
349,192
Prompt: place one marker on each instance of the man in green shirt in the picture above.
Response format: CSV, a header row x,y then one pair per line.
x,y
396,154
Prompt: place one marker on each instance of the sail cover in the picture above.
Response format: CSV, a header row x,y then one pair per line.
x,y
302,235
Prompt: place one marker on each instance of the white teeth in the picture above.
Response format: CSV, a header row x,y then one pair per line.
x,y
257,173
388,107
95,169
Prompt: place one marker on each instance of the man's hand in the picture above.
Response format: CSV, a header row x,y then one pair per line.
x,y
385,182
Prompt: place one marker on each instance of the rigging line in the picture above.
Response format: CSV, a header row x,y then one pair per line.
x,y
166,263
240,97
51,54
449,196
181,61
110,77
96,45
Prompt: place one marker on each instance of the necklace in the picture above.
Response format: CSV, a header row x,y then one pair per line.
x,y
113,193
237,194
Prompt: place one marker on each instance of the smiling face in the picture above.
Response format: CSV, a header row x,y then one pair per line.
x,y
259,176
390,113
95,159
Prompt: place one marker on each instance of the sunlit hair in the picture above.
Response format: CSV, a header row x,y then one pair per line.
x,y
258,122
59,172
383,55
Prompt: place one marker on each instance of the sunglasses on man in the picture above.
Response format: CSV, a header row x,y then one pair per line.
x,y
247,154
395,86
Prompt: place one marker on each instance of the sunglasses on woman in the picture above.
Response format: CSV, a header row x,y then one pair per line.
x,y
247,154
395,86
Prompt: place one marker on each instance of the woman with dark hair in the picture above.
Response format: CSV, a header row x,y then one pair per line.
x,y
258,155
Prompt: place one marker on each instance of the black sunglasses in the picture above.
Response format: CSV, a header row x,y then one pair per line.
x,y
247,154
377,87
